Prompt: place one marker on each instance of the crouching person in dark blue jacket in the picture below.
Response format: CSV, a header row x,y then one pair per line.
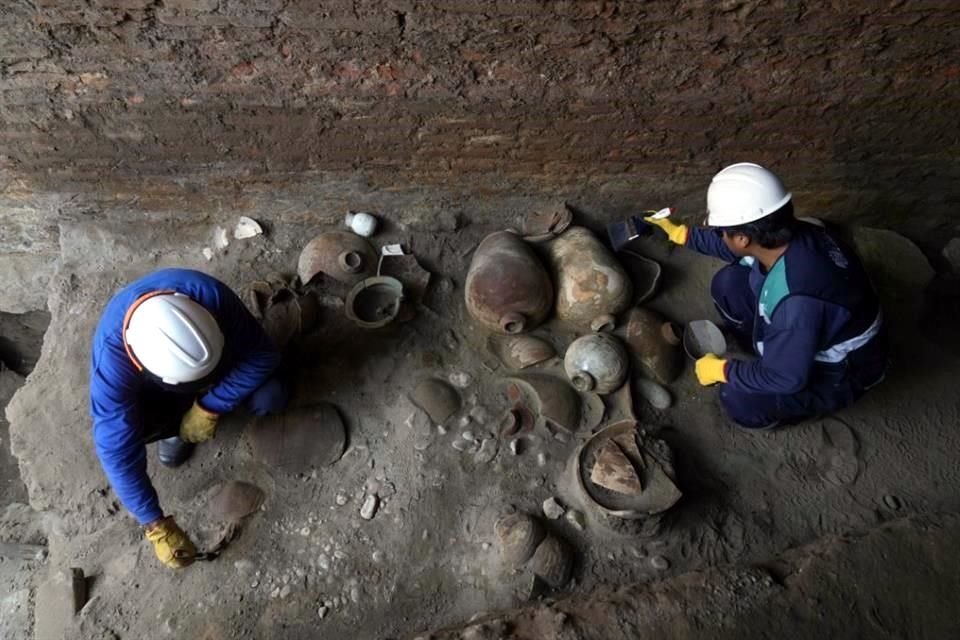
x,y
793,292
173,351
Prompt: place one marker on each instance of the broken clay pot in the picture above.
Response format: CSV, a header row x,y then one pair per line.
x,y
551,397
234,500
652,461
507,289
374,302
437,398
654,345
553,562
589,280
597,362
644,273
519,535
539,226
343,256
520,352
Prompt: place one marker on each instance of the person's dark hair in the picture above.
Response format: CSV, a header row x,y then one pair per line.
x,y
772,231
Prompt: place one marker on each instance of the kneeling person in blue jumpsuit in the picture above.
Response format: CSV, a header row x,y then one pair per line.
x,y
793,292
173,351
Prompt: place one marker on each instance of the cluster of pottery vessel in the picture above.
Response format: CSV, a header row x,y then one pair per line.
x,y
517,280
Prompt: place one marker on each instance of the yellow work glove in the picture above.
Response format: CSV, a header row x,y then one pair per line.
x,y
676,233
711,369
198,424
170,543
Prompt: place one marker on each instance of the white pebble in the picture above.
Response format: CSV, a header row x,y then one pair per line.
x,y
341,499
552,509
659,563
285,591
369,508
460,379
322,611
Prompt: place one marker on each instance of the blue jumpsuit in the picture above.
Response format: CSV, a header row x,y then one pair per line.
x,y
124,401
814,320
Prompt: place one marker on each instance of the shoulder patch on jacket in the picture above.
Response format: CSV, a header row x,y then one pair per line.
x,y
774,290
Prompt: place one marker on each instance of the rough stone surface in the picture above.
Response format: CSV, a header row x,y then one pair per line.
x,y
608,103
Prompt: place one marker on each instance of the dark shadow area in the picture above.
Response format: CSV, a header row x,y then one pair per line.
x,y
21,337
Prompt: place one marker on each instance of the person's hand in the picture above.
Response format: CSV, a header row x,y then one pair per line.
x,y
198,424
711,369
676,233
170,543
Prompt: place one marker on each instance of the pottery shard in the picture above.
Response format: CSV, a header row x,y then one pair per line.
x,y
437,398
518,535
520,352
553,562
234,500
654,464
613,470
299,439
552,397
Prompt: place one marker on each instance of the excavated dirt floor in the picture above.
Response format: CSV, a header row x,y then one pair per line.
x,y
308,566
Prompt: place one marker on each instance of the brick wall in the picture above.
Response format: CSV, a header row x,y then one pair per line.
x,y
856,103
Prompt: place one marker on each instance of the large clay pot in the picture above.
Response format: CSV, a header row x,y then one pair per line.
x,y
590,282
508,290
654,345
597,362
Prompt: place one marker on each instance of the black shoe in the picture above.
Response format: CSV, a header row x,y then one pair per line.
x,y
173,452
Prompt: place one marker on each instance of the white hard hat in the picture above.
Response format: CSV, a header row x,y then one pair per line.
x,y
173,337
742,193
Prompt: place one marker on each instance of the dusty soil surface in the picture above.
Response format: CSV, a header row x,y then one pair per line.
x,y
833,588
307,565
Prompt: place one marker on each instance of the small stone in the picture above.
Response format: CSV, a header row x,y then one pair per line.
x,y
460,379
485,546
285,591
442,430
552,509
541,459
466,446
561,436
322,611
254,584
220,240
275,592
341,499
468,435
207,253
369,508
575,519
516,446
480,414
892,502
378,556
355,595
659,563
243,565
305,531
488,451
